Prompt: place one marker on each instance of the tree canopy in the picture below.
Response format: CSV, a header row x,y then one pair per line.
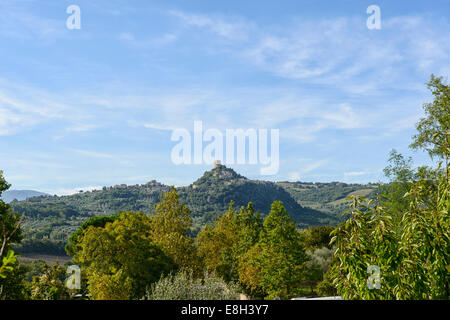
x,y
121,259
398,246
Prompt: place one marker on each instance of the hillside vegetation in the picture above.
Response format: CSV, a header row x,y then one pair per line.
x,y
50,220
10,195
329,197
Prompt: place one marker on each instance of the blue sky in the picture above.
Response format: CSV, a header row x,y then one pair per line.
x,y
96,107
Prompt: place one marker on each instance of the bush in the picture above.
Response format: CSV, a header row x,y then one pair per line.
x,y
183,286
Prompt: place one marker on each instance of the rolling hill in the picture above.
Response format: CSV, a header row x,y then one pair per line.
x,y
20,195
53,218
211,194
328,197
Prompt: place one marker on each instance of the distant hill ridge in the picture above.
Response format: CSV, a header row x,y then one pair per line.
x,y
56,217
211,194
10,195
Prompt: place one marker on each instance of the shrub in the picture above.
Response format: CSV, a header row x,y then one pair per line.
x,y
183,286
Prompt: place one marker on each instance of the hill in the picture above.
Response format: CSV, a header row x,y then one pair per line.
x,y
211,194
328,197
56,217
20,195
51,219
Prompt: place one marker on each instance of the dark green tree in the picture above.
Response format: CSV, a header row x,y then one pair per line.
x,y
98,222
276,264
318,237
120,259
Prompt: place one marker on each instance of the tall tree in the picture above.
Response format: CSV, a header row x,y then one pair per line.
x,y
433,133
212,242
407,244
248,226
170,230
224,246
98,222
401,175
121,259
277,262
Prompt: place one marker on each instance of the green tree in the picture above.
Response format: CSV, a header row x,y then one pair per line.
x,y
250,271
317,265
169,230
13,285
224,246
7,261
434,128
111,286
121,259
277,262
326,288
10,232
50,285
248,226
407,240
212,242
98,222
401,174
413,257
318,237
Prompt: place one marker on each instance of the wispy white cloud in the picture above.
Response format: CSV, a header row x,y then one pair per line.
x,y
305,167
67,192
18,22
232,28
313,165
162,40
294,176
94,154
340,52
302,115
356,173
336,53
322,83
23,107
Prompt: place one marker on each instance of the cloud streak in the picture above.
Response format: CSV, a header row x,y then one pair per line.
x,y
340,50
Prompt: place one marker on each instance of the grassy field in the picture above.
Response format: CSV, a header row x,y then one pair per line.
x,y
362,192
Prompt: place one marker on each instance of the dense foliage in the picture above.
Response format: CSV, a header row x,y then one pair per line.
x,y
276,264
10,233
169,230
121,259
185,286
54,219
50,284
266,256
398,247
